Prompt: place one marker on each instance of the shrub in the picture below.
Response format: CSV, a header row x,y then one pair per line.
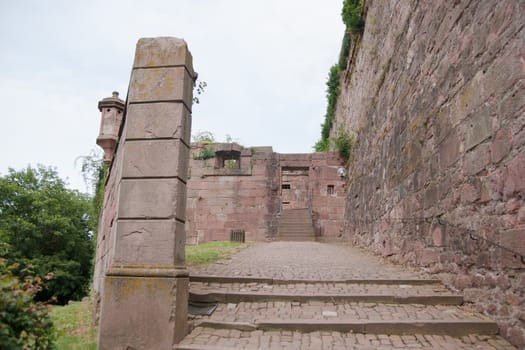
x,y
351,14
343,143
24,324
204,154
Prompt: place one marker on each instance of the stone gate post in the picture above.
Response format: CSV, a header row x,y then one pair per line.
x,y
144,295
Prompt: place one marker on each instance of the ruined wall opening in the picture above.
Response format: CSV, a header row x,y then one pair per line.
x,y
330,190
228,159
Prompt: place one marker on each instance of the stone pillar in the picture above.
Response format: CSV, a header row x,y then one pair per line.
x,y
145,289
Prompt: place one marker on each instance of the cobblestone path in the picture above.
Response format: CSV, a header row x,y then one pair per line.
x,y
309,295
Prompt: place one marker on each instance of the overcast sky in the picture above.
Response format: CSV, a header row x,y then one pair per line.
x,y
265,63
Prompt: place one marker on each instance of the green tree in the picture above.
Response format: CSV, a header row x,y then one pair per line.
x,y
204,137
46,225
95,173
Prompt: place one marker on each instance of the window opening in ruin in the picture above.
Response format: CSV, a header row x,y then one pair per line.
x,y
330,190
285,186
228,159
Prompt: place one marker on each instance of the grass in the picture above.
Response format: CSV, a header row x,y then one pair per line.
x,y
74,326
73,322
207,253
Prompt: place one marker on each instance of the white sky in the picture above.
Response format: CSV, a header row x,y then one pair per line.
x,y
265,63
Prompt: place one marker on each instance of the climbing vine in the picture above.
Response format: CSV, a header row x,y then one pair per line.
x,y
351,15
332,92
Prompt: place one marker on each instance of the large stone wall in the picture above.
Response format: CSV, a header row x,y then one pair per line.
x,y
435,95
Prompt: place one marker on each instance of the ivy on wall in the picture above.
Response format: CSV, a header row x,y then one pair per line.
x,y
351,15
332,92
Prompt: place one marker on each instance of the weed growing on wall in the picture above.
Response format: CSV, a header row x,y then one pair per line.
x,y
204,153
343,143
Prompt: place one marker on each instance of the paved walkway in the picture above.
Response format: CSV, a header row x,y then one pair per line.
x,y
309,295
307,260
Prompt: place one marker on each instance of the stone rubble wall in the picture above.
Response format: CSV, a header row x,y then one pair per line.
x,y
435,97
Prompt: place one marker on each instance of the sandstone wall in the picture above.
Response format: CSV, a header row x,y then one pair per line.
x,y
107,228
248,197
328,205
221,199
435,96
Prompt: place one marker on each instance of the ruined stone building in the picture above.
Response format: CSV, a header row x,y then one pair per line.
x,y
433,94
253,189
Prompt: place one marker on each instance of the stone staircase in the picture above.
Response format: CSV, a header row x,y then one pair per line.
x,y
268,313
295,225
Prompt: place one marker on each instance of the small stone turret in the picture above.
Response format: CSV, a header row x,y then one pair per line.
x,y
112,109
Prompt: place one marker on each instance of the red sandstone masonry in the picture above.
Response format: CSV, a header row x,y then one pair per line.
x,y
248,198
436,99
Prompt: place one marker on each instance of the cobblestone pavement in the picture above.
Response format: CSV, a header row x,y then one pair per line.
x,y
306,260
209,338
311,268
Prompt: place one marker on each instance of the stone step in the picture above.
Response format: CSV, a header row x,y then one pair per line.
x,y
292,225
205,338
429,299
453,328
278,281
295,225
357,317
303,232
296,228
335,292
310,238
